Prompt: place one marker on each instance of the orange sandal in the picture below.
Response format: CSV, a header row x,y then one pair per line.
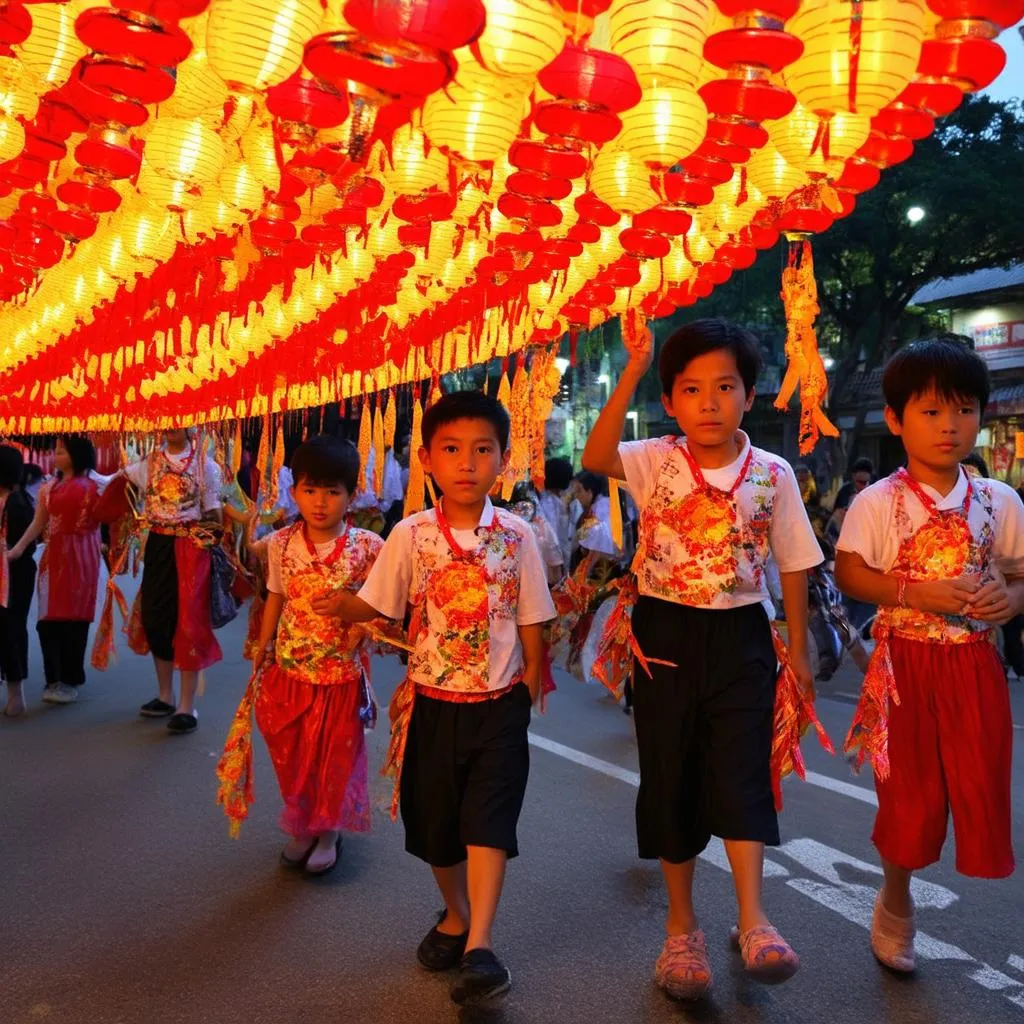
x,y
767,956
683,970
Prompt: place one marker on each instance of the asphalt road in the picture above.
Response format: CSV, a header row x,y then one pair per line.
x,y
123,901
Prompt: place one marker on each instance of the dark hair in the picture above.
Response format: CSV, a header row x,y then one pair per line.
x,y
863,465
593,482
80,452
31,474
466,405
557,474
975,460
708,335
11,464
326,461
942,364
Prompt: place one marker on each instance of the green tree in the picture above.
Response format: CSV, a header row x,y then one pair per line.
x,y
966,177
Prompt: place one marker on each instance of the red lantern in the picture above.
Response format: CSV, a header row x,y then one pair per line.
x,y
542,158
15,27
646,245
590,208
665,219
883,151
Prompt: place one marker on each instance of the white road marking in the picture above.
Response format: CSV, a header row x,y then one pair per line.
x,y
852,900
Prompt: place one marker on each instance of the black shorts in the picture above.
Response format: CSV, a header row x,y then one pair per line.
x,y
704,729
159,595
464,776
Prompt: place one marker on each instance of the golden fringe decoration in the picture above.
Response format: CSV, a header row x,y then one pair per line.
x,y
519,440
236,449
365,439
378,445
545,380
390,421
263,461
806,369
615,516
275,472
414,492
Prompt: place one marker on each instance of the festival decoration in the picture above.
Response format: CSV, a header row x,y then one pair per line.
x,y
212,209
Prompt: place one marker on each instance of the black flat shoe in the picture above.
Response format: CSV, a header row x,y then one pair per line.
x,y
327,868
182,723
301,862
482,978
156,708
440,952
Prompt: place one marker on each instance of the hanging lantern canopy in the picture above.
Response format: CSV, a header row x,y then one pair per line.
x,y
52,48
619,180
663,40
665,127
183,150
811,142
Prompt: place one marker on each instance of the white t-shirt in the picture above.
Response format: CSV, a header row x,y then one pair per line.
x,y
554,510
870,530
770,521
416,552
595,530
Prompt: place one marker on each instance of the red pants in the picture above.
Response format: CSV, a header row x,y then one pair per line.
x,y
950,748
315,738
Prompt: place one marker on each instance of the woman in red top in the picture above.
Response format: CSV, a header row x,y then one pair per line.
x,y
69,570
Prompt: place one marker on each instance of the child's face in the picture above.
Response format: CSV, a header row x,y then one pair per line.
x,y
322,507
937,432
177,438
465,458
708,400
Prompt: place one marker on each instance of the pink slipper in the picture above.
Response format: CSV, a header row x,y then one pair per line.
x,y
767,956
683,969
892,939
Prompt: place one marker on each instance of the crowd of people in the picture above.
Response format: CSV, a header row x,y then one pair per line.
x,y
472,592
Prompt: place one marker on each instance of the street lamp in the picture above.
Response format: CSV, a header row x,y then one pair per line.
x,y
915,215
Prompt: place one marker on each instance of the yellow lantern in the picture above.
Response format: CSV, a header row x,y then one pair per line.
x,y
803,137
255,44
240,188
18,97
186,151
620,179
666,126
521,36
771,175
53,49
411,168
479,124
198,87
171,193
663,40
12,138
857,57
257,144
147,235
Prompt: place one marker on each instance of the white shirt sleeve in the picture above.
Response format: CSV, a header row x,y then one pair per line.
x,y
535,604
791,536
212,486
274,582
862,529
387,587
1008,548
641,463
138,472
101,481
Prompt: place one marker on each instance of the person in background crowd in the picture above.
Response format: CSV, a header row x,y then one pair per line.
x,y
526,504
32,481
555,503
181,488
69,570
594,531
816,513
17,579
861,475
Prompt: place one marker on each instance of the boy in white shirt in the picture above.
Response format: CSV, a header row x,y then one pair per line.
x,y
476,585
712,510
933,548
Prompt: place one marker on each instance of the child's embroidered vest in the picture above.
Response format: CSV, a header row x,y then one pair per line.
x,y
313,648
172,494
945,547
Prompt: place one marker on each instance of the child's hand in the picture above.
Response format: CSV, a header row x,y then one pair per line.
x,y
262,657
800,663
944,597
332,605
991,604
532,678
638,341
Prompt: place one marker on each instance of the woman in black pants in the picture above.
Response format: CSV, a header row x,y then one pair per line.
x,y
16,513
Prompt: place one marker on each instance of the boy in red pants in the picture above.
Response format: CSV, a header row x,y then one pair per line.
x,y
933,548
